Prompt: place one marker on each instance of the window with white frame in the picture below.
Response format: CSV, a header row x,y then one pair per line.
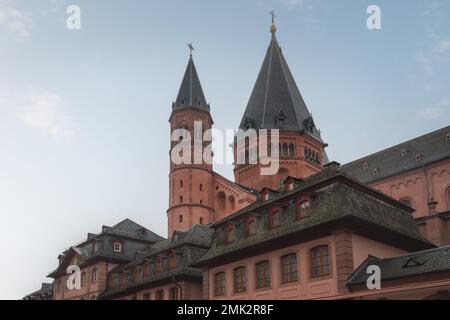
x,y
117,247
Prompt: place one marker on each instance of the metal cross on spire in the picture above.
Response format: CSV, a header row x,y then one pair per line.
x,y
272,13
191,48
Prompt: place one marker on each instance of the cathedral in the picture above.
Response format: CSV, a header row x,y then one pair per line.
x,y
313,230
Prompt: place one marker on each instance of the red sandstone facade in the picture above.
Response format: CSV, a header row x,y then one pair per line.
x,y
316,262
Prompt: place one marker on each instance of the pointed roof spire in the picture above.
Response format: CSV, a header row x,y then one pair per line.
x,y
191,92
276,102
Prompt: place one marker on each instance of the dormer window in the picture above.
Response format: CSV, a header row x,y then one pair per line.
x,y
94,247
366,166
158,265
117,247
418,157
251,227
276,219
281,119
229,235
375,172
290,186
403,152
447,137
183,102
172,260
304,209
199,102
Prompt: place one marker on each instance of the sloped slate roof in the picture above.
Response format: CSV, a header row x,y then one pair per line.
x,y
45,293
191,92
329,204
184,271
197,235
131,229
431,147
276,95
417,263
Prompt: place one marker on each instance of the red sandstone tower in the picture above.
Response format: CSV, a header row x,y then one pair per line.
x,y
190,197
276,103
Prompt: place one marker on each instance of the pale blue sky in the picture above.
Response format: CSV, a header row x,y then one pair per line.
x,y
84,135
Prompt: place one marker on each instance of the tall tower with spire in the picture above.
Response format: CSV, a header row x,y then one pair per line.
x,y
190,199
276,103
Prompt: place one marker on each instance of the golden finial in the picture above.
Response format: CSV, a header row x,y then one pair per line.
x,y
273,28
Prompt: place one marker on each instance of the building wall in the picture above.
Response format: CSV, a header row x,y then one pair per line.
x,y
295,165
91,290
362,247
420,186
303,288
191,290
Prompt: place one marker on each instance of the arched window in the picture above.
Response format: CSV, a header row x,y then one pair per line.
x,y
221,200
240,280
229,235
289,268
291,150
219,284
181,183
181,199
180,218
94,275
201,187
304,209
201,221
320,262
276,219
263,274
231,202
251,227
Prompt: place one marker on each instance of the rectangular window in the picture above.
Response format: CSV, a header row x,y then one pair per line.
x,y
117,246
263,274
158,265
172,260
219,284
320,262
240,280
173,293
251,228
159,295
289,268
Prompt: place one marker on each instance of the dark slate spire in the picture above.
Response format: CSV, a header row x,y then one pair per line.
x,y
276,102
191,92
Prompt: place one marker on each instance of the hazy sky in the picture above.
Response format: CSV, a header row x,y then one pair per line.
x,y
84,134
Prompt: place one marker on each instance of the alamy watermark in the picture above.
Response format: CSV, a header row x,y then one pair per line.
x,y
209,147
374,280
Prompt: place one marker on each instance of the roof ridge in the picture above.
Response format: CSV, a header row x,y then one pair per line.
x,y
397,145
411,254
